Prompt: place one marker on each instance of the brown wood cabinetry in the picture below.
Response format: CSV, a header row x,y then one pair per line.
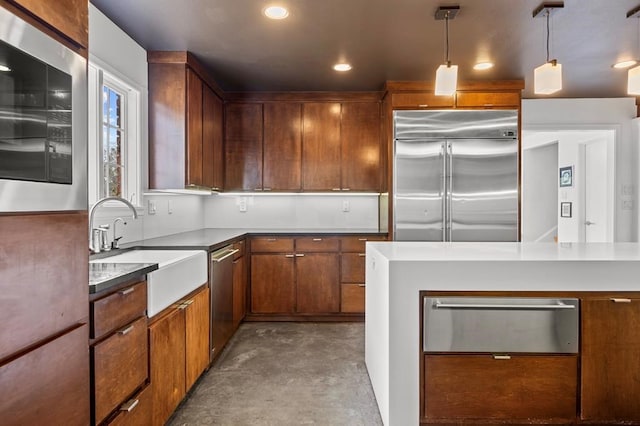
x,y
360,136
317,282
352,267
418,100
610,386
178,352
239,284
521,389
185,122
321,147
282,146
136,411
488,99
272,283
243,146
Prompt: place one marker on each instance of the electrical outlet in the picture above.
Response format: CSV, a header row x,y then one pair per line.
x,y
242,204
152,207
627,204
345,206
169,207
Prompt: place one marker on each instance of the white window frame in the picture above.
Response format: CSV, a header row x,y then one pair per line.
x,y
99,75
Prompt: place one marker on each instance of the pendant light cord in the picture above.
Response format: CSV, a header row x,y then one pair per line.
x,y
446,25
548,13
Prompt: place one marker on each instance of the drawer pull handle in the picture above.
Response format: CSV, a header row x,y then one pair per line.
x,y
125,330
266,189
288,255
317,239
126,291
501,357
272,239
362,239
346,189
620,300
187,302
361,254
423,105
335,189
299,255
362,285
129,405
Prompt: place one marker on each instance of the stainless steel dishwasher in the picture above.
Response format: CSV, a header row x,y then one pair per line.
x,y
221,281
500,325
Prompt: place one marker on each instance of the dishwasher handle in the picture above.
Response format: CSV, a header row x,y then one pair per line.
x,y
559,305
221,255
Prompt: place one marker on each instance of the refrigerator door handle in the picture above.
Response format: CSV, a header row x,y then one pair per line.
x,y
449,190
443,190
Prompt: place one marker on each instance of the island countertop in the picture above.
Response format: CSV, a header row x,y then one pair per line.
x,y
397,273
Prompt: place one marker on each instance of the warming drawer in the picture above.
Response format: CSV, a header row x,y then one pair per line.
x,y
495,325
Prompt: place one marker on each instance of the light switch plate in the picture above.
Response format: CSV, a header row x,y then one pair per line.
x,y
151,207
242,204
346,206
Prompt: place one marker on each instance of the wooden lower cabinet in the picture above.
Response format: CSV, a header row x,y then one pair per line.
x,y
196,337
317,283
136,411
272,283
352,298
524,388
239,290
610,386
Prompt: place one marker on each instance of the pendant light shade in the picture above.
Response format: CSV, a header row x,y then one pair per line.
x,y
446,80
446,74
547,78
633,81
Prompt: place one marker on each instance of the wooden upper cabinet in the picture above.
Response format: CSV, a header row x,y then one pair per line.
x,y
69,17
418,100
610,385
194,158
488,99
243,146
321,150
212,140
361,146
282,146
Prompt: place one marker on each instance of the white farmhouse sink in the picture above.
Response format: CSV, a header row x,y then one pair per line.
x,y
179,273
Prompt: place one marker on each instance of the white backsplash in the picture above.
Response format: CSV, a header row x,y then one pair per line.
x,y
291,211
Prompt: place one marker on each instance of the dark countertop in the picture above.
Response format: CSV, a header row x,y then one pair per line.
x,y
212,238
103,276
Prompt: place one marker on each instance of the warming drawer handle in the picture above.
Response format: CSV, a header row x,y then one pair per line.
x,y
225,255
440,305
129,405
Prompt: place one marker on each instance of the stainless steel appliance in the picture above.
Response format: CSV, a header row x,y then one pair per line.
x,y
221,282
500,325
456,175
43,121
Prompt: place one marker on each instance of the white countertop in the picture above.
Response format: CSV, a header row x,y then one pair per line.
x,y
491,252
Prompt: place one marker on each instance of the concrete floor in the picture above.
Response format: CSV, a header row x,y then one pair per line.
x,y
286,374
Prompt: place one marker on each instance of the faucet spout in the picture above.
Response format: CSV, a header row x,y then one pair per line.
x,y
93,210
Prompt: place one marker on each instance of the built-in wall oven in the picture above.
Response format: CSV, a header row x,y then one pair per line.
x,y
43,121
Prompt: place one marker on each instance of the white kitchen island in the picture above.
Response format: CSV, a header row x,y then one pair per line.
x,y
396,273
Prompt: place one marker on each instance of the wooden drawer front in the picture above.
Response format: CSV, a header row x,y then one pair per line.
x,y
272,245
352,269
488,99
420,100
49,385
317,244
481,387
136,411
352,298
357,244
120,366
118,309
240,247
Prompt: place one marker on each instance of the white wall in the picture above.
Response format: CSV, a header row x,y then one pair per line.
x,y
540,193
113,50
597,114
287,211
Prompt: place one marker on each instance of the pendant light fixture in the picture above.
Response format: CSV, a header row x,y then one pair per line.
x,y
446,74
547,78
633,76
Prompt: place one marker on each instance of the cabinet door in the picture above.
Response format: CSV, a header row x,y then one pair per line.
x,y
239,291
69,17
352,298
49,385
610,385
136,411
317,282
272,283
243,147
352,268
488,99
415,100
194,129
197,337
282,146
360,135
212,140
321,147
167,364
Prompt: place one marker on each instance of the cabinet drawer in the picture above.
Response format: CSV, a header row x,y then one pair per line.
x,y
239,245
317,244
352,298
488,99
120,366
481,387
118,309
272,245
136,411
420,100
352,269
357,244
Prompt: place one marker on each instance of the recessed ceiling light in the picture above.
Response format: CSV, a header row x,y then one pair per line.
x,y
480,66
4,68
342,67
625,64
276,12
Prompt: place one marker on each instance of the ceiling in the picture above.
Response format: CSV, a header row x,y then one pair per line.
x,y
386,40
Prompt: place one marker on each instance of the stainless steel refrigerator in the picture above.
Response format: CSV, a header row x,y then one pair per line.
x,y
456,175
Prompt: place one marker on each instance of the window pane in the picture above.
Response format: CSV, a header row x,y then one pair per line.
x,y
114,109
105,103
